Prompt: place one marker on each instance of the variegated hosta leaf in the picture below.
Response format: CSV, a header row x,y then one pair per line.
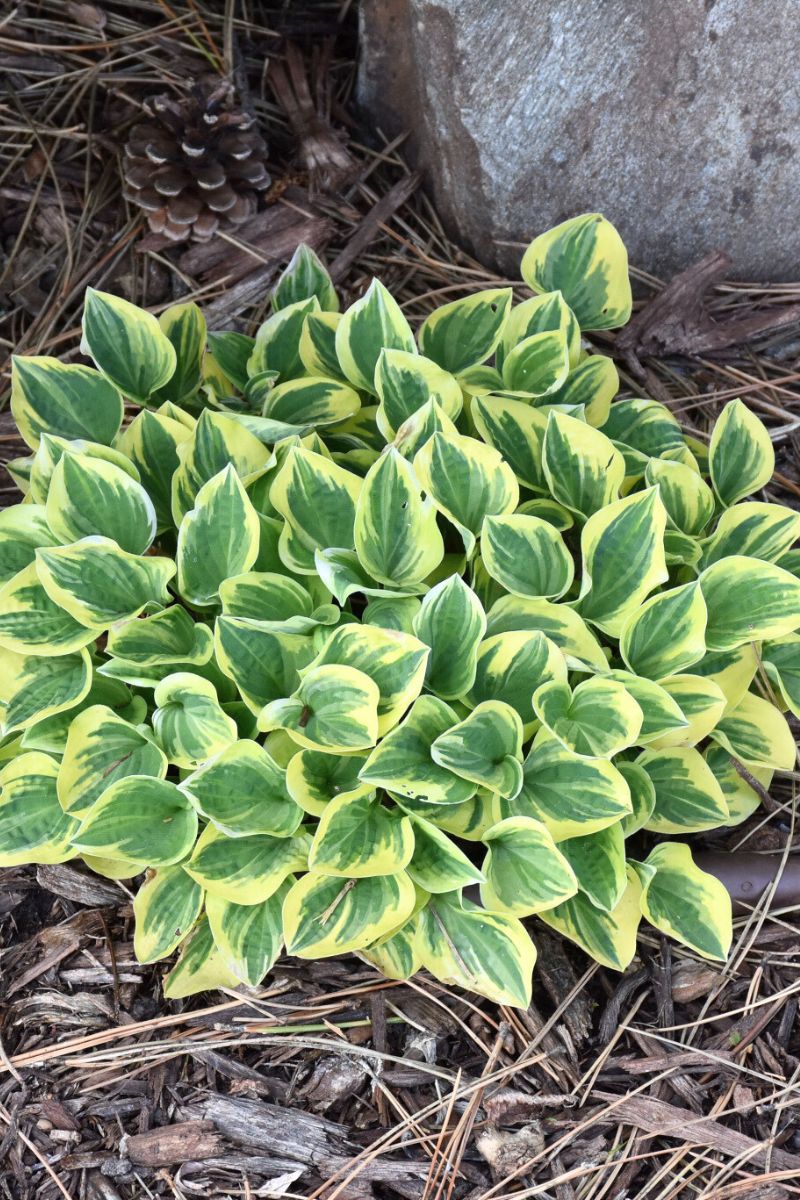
x,y
781,661
560,623
405,382
358,836
20,470
393,612
169,636
747,600
687,498
468,820
643,797
151,443
325,915
394,661
702,703
731,670
681,550
452,623
98,584
661,713
262,662
373,324
403,764
217,538
102,748
243,791
538,365
608,937
188,720
420,426
215,442
32,623
277,346
317,347
537,315
516,431
199,968
485,748
33,827
127,344
437,864
687,903
266,596
23,528
245,870
395,956
111,868
467,481
89,496
314,778
311,403
248,937
510,665
757,734
33,687
742,799
741,456
52,449
231,351
525,871
343,575
583,469
185,327
335,708
598,864
591,385
466,332
598,718
586,260
305,276
571,795
667,634
526,555
548,510
487,952
645,427
66,400
50,734
396,536
317,500
140,819
754,529
166,907
623,559
688,797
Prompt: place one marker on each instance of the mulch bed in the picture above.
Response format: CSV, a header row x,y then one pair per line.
x,y
678,1079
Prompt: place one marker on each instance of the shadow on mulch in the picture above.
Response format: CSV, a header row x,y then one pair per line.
x,y
678,1079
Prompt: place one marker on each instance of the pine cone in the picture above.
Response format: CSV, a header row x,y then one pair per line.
x,y
195,165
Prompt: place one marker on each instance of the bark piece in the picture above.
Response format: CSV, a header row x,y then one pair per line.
x,y
188,1141
677,321
667,1120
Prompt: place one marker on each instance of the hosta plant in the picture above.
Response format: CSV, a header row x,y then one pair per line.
x,y
346,638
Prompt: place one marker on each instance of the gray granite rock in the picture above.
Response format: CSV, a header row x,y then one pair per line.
x,y
679,120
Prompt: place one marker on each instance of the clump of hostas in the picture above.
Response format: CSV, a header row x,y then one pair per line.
x,y
352,640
